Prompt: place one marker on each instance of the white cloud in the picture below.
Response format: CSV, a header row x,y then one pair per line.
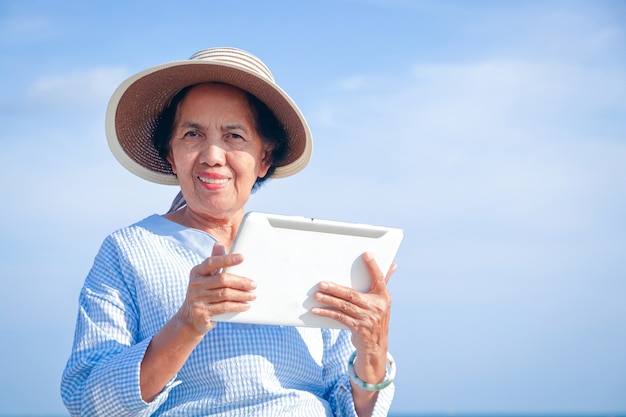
x,y
17,30
359,83
496,143
76,89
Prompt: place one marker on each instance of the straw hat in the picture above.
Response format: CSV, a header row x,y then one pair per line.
x,y
138,101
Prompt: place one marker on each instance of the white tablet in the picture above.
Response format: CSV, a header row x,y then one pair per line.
x,y
288,256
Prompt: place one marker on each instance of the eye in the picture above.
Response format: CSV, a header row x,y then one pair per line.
x,y
191,134
234,136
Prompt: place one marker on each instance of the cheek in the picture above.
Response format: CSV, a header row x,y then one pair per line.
x,y
248,164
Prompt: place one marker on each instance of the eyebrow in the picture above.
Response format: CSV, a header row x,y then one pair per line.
x,y
193,125
235,126
196,125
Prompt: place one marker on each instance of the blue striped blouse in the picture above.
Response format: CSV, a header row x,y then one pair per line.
x,y
138,281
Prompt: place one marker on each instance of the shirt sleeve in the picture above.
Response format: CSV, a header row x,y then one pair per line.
x,y
338,349
101,377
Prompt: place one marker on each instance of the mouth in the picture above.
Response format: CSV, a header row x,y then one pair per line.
x,y
213,181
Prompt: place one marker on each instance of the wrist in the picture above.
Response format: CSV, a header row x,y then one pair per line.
x,y
385,381
185,325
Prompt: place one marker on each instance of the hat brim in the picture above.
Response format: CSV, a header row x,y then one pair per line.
x,y
133,110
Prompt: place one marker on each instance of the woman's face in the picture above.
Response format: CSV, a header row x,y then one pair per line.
x,y
216,152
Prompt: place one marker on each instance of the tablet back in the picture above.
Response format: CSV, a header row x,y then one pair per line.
x,y
288,256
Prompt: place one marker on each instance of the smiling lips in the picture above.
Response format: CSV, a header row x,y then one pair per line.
x,y
213,181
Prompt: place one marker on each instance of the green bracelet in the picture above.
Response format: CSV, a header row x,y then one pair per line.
x,y
389,376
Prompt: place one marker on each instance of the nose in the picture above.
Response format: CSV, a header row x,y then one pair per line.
x,y
213,153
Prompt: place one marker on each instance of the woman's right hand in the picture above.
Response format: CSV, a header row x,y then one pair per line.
x,y
211,291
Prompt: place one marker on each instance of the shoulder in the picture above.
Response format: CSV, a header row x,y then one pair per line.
x,y
122,242
156,236
142,232
132,251
149,225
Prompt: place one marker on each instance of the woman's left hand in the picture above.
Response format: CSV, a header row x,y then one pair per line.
x,y
366,315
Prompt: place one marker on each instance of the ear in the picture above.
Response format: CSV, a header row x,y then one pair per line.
x,y
266,161
170,159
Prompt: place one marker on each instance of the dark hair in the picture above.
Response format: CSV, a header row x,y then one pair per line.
x,y
266,124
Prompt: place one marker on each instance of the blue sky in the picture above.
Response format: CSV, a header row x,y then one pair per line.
x,y
492,132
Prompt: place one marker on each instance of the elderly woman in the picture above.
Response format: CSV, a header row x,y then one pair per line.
x,y
145,341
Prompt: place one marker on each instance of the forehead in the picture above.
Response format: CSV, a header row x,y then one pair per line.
x,y
216,98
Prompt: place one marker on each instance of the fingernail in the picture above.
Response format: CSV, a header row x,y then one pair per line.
x,y
324,285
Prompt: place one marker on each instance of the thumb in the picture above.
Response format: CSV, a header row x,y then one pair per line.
x,y
218,249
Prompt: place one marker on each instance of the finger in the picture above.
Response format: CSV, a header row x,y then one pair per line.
x,y
217,262
361,313
367,308
212,282
376,275
340,297
341,303
347,320
201,312
392,269
352,307
227,294
229,307
204,293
